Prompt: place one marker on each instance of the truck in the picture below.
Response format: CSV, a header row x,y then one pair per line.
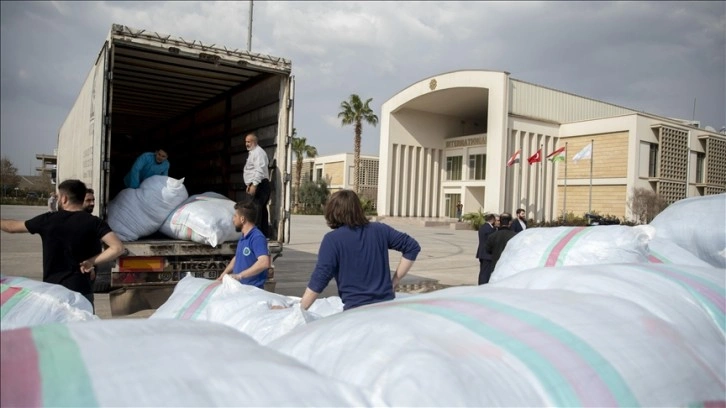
x,y
197,101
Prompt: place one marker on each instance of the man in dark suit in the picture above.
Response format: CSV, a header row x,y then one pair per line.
x,y
498,241
485,259
520,223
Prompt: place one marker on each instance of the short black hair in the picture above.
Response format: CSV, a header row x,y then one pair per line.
x,y
247,209
74,189
505,219
519,210
489,217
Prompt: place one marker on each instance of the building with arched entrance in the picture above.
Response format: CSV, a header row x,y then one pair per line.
x,y
448,138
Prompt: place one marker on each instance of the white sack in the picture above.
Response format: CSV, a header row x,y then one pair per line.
x,y
697,224
491,346
139,212
22,307
157,363
562,246
243,307
203,218
60,292
668,252
689,297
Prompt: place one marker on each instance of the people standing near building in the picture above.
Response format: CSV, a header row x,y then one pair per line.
x,y
355,254
148,164
485,258
257,181
53,202
459,211
71,240
520,223
498,240
89,202
252,258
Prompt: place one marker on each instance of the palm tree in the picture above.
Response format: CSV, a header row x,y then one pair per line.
x,y
300,147
354,112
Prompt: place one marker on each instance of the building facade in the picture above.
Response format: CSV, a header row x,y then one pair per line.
x,y
337,171
448,138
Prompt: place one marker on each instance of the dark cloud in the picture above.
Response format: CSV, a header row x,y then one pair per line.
x,y
651,56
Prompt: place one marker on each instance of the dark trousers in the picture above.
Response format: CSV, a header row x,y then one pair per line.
x,y
485,270
261,198
90,298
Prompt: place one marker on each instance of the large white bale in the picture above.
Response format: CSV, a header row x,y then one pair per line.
x,y
689,297
562,246
697,224
243,307
157,363
60,292
23,307
491,346
139,212
204,218
668,252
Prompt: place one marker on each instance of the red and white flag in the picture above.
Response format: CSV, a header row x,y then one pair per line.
x,y
514,158
535,158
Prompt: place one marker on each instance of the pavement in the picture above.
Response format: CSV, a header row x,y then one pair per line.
x,y
447,255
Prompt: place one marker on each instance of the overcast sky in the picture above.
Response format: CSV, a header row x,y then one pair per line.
x,y
655,57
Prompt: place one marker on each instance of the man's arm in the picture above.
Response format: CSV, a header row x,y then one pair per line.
x,y
403,267
114,249
13,226
229,268
308,298
262,263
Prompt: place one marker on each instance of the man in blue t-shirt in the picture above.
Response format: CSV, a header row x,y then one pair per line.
x,y
147,165
252,259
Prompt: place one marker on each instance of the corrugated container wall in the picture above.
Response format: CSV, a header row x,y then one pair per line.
x,y
534,101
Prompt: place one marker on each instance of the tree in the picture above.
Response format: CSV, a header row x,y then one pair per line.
x,y
313,195
646,204
8,175
354,112
300,147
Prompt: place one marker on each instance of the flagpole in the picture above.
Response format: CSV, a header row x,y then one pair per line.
x,y
541,177
564,201
592,155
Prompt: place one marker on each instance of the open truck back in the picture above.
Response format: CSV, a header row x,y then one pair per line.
x,y
147,91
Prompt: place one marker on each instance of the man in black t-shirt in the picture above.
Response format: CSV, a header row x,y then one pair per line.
x,y
71,240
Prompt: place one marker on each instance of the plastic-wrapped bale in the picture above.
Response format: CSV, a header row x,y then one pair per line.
x,y
697,224
691,298
243,307
63,294
203,218
562,246
157,363
22,307
667,252
139,212
491,346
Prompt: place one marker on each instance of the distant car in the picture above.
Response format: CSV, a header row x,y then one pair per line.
x,y
32,196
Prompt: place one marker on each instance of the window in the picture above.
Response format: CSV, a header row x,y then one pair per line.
x,y
477,167
318,174
700,164
653,161
453,167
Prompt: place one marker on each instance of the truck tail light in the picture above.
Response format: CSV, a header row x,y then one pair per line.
x,y
141,264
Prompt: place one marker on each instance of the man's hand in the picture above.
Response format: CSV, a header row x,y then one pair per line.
x,y
251,189
87,266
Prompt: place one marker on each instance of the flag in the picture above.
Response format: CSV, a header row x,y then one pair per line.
x,y
585,153
514,158
557,155
535,158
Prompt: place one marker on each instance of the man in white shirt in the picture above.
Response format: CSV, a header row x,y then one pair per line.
x,y
256,179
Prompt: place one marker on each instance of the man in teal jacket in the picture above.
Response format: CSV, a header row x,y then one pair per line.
x,y
147,165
